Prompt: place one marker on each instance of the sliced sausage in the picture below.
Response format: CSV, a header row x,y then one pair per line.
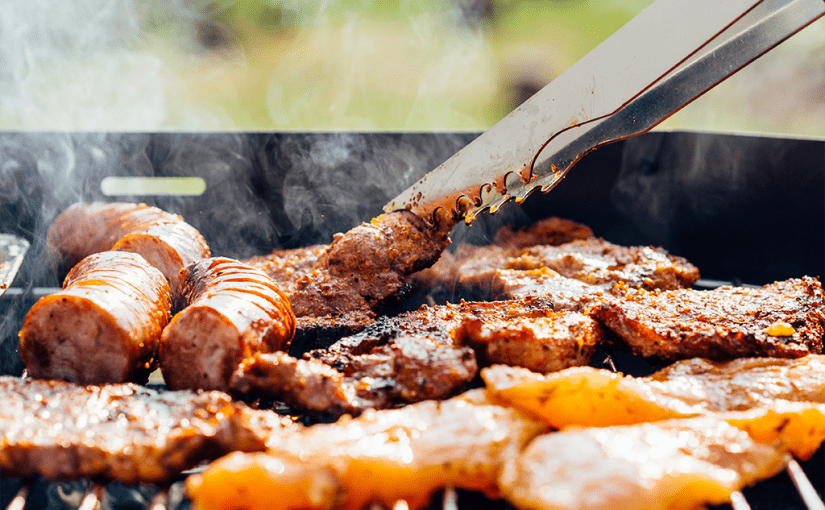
x,y
104,326
163,239
233,312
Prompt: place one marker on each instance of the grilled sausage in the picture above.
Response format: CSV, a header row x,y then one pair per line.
x,y
163,239
234,311
103,327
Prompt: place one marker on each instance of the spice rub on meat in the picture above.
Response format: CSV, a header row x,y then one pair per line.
x,y
360,270
783,319
122,432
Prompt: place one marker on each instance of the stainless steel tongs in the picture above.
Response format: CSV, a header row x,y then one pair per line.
x,y
668,55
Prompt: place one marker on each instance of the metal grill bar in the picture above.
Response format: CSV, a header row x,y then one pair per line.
x,y
449,500
19,500
738,501
804,486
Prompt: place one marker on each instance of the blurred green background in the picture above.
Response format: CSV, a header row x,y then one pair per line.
x,y
267,65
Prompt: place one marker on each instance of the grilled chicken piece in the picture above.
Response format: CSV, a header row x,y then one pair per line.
x,y
408,369
664,465
163,239
232,311
382,456
360,270
104,326
783,319
542,344
122,432
592,397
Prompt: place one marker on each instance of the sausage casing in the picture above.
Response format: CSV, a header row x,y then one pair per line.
x,y
163,239
234,311
104,326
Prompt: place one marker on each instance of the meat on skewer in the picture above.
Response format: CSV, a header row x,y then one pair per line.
x,y
584,396
104,326
651,466
413,452
122,432
231,312
163,239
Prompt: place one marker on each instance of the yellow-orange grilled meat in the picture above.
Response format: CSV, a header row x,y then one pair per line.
x,y
163,239
104,326
382,456
232,312
592,397
680,464
122,432
783,319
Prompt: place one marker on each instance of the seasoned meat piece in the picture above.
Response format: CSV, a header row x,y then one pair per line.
x,y
407,369
553,231
163,239
381,457
232,311
120,432
360,270
541,344
664,465
104,326
585,396
439,322
783,319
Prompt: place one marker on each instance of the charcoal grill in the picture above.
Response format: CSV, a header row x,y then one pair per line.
x,y
743,208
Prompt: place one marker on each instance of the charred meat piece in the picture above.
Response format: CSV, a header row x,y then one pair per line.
x,y
585,396
541,344
104,326
232,311
413,452
405,370
163,239
679,463
122,432
783,319
360,270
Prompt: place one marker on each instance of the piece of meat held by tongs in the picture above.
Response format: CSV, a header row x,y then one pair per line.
x,y
661,60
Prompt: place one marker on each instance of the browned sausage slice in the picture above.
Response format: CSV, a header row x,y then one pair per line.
x,y
103,327
234,311
163,239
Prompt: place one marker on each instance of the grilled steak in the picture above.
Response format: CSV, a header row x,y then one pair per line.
x,y
163,239
232,311
783,319
541,344
381,457
120,432
409,368
103,327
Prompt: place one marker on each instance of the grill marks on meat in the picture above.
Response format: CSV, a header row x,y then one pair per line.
x,y
360,270
163,239
681,463
406,370
120,432
413,452
233,311
783,319
104,326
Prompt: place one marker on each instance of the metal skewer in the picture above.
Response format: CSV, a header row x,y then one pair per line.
x,y
91,500
160,501
449,501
